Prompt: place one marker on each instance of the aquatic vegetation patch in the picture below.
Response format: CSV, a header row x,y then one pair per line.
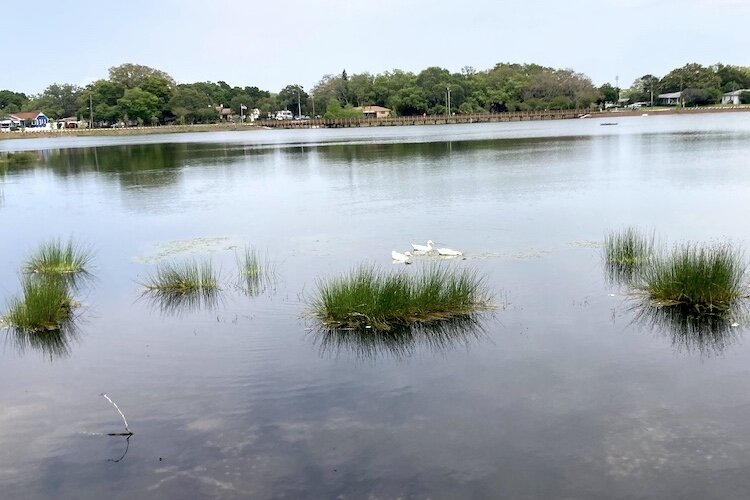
x,y
704,279
626,253
191,246
256,271
44,305
56,257
182,277
369,298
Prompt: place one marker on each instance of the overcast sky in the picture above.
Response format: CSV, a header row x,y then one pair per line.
x,y
273,43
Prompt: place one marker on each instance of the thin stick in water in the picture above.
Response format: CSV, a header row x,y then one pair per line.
x,y
129,432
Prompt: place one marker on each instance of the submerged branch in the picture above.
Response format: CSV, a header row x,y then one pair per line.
x,y
129,432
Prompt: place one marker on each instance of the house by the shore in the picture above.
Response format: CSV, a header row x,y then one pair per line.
x,y
374,111
31,120
733,97
669,99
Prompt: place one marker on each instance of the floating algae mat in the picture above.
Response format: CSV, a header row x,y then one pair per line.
x,y
191,246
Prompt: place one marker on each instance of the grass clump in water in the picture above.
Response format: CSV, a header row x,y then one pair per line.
x,y
255,271
45,305
626,253
190,276
56,257
367,297
702,279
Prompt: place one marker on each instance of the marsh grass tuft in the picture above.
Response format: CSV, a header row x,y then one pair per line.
x,y
183,277
367,297
56,257
626,254
256,271
702,279
45,305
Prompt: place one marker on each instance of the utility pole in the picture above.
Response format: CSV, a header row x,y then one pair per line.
x,y
617,88
448,99
312,96
652,93
91,110
299,105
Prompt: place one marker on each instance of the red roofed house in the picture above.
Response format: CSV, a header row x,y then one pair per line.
x,y
31,119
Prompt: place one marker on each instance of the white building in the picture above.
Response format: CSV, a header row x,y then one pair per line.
x,y
671,99
733,97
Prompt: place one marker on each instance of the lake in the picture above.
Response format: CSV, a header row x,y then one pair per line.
x,y
563,391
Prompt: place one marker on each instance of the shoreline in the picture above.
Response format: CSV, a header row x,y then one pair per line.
x,y
233,127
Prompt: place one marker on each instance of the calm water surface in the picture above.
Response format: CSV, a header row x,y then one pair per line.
x,y
561,393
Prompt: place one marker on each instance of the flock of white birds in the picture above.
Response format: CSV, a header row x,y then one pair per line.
x,y
417,249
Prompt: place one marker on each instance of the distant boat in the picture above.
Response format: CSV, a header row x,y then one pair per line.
x,y
608,123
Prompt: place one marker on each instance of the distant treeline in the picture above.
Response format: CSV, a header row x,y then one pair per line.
x,y
138,93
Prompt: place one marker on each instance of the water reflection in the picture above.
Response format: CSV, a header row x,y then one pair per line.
x,y
140,165
52,343
400,343
179,303
689,331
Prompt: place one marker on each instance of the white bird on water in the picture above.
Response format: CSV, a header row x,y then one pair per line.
x,y
447,252
423,248
402,258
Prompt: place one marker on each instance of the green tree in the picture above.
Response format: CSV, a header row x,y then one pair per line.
x,y
335,110
287,98
138,104
643,88
11,102
57,101
745,97
132,75
192,106
732,77
409,101
104,95
696,97
690,76
162,88
608,93
434,82
361,91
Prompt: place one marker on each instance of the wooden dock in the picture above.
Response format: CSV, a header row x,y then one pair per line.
x,y
515,116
